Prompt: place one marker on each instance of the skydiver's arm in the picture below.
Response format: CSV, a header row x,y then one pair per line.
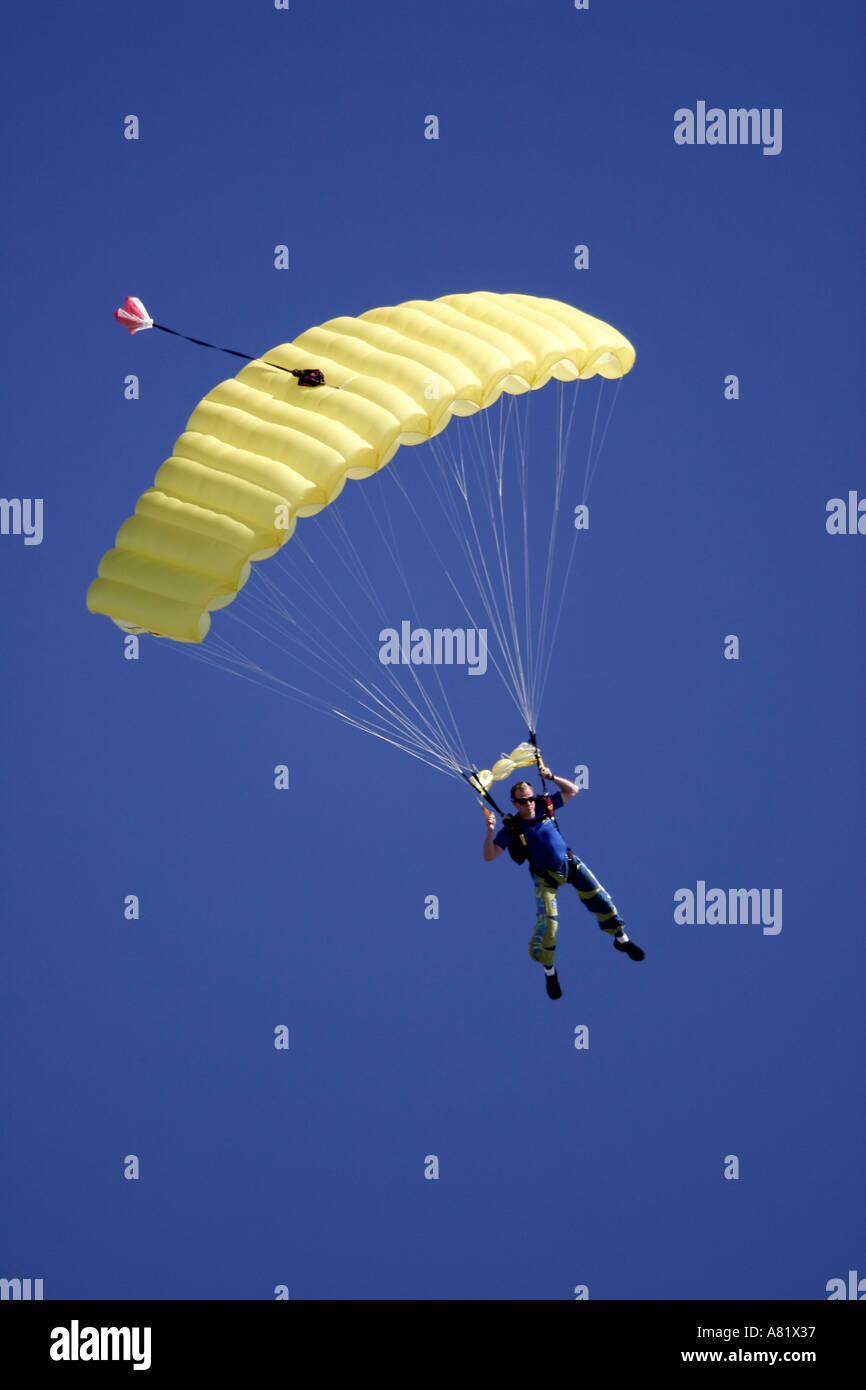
x,y
491,851
568,789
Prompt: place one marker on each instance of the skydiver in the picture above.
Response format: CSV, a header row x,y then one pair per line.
x,y
532,834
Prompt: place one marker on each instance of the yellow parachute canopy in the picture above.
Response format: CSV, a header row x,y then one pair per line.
x,y
262,450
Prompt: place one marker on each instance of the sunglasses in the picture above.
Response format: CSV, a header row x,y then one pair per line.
x,y
523,800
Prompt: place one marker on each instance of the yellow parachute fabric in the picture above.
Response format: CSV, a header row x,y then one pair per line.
x,y
524,755
261,450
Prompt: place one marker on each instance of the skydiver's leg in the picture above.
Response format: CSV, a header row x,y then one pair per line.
x,y
601,905
595,897
542,946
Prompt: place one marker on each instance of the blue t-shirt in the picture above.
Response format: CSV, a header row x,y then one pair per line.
x,y
547,849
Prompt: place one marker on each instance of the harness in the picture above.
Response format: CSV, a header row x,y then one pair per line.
x,y
517,846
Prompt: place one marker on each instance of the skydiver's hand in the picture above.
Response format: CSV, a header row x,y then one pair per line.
x,y
544,772
491,820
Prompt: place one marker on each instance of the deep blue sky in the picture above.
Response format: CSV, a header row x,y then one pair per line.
x,y
411,1037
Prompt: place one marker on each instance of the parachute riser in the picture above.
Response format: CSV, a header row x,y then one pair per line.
x,y
533,740
476,787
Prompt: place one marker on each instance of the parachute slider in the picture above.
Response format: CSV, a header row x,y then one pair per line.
x,y
524,755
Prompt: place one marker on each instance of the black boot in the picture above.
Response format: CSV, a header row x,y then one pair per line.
x,y
634,951
553,989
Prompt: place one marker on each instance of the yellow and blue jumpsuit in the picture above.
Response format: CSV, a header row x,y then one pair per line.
x,y
552,864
